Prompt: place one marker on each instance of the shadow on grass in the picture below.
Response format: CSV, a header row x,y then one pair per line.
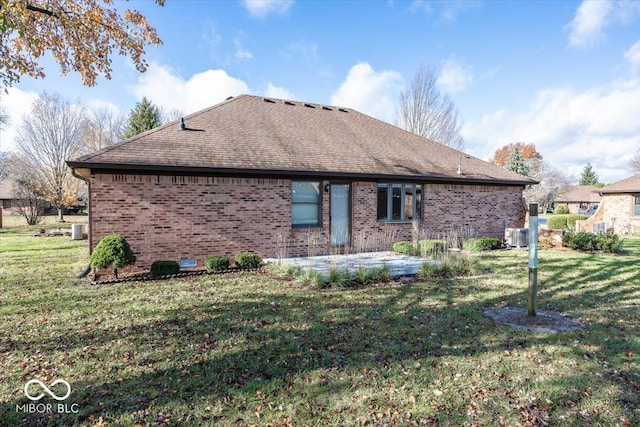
x,y
310,345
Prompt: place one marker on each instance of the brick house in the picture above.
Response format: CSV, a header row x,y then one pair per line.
x,y
579,198
619,209
288,178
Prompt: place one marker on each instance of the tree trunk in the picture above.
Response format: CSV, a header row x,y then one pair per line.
x,y
60,216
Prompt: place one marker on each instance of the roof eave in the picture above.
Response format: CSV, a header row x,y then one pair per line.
x,y
283,173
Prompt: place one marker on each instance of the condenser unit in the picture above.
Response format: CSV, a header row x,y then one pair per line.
x,y
516,237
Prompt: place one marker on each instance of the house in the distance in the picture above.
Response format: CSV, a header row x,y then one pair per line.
x,y
287,178
580,198
8,199
619,209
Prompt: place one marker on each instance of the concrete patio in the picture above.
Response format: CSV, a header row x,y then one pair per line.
x,y
399,265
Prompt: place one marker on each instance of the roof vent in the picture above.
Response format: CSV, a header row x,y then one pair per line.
x,y
342,110
182,125
309,105
231,97
324,107
270,101
289,103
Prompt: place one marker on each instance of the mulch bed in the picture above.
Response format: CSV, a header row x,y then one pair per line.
x,y
543,321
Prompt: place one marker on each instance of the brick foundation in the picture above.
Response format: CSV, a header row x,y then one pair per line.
x,y
186,217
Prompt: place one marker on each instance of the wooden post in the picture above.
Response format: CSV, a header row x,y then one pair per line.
x,y
533,259
0,216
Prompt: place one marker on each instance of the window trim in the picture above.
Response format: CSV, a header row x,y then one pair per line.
x,y
636,205
318,203
416,205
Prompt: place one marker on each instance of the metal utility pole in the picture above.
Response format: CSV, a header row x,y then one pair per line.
x,y
533,259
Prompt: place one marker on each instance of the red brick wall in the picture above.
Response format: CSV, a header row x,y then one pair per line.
x,y
175,217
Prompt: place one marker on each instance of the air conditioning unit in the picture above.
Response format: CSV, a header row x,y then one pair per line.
x,y
600,227
516,237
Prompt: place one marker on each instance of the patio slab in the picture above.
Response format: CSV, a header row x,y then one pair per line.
x,y
399,265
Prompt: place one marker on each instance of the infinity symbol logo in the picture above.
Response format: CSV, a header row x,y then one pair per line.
x,y
46,389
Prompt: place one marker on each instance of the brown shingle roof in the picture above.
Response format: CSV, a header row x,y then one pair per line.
x,y
628,185
250,135
580,193
6,189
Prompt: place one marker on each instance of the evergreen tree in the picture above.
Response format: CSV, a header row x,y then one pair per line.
x,y
588,176
143,117
517,163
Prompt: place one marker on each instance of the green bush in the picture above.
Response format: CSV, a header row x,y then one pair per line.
x,y
585,241
405,248
247,260
478,244
165,268
112,251
432,247
216,263
564,222
562,209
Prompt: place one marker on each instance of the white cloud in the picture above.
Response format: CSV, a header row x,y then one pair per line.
x,y
454,77
278,92
262,8
17,104
201,90
588,24
241,53
633,56
570,129
370,92
593,16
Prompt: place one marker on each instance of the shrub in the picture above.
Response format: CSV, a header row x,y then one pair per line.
x,y
216,263
585,241
165,268
562,209
478,244
112,251
564,222
432,247
247,260
404,248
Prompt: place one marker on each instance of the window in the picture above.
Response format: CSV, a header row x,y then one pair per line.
x,y
636,205
305,204
399,202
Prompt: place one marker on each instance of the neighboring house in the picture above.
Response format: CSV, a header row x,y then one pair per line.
x,y
619,209
580,198
288,178
8,200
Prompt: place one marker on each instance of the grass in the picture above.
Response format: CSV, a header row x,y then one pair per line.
x,y
250,349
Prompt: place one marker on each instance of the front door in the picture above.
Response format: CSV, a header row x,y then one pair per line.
x,y
340,214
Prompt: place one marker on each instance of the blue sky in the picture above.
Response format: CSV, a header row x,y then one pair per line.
x,y
564,75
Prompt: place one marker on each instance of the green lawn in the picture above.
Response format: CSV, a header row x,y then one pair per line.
x,y
250,349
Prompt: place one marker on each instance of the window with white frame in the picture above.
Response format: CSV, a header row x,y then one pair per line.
x,y
636,205
306,200
399,202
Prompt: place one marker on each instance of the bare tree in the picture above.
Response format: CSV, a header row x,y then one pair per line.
x,y
104,128
552,183
52,133
28,188
4,156
634,163
427,112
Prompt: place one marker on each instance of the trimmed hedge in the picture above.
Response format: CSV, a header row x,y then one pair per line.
x,y
585,241
427,247
112,251
432,247
216,263
564,222
562,209
165,268
478,244
247,260
405,248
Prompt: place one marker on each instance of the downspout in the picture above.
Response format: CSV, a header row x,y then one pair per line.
x,y
87,269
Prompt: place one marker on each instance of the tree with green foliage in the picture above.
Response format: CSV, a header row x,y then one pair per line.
x,y
588,176
145,116
112,251
517,163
